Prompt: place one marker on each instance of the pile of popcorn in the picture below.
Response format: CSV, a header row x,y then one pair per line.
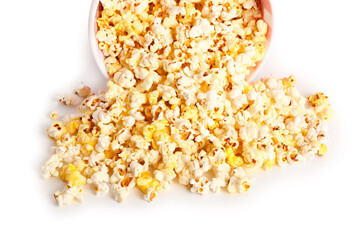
x,y
178,108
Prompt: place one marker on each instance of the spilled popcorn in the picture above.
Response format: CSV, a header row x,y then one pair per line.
x,y
178,108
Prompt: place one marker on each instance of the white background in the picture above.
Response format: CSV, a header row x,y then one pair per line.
x,y
44,52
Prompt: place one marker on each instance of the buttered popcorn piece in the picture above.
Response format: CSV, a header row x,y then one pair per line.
x,y
54,115
178,107
83,91
68,99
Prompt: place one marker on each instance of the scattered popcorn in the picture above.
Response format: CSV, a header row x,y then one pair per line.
x,y
178,106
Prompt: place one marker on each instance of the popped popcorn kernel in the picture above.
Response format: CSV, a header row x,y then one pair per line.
x,y
68,99
268,164
73,126
54,115
322,150
146,181
83,91
320,103
57,130
72,175
234,161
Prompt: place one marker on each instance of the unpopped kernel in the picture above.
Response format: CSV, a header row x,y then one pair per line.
x,y
178,107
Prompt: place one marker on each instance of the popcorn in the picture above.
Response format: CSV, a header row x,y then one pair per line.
x,y
72,175
217,184
200,185
322,150
124,78
100,175
178,108
146,182
101,116
68,99
83,91
150,195
57,130
202,28
212,99
95,158
54,115
121,189
103,143
321,105
237,185
136,99
69,194
101,189
52,166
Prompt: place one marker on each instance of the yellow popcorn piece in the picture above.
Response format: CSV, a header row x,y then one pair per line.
x,y
235,161
54,115
83,137
162,136
109,154
80,165
215,125
318,99
174,106
229,151
138,27
235,48
87,149
102,22
289,140
148,132
73,126
189,112
112,68
320,103
140,126
322,150
232,159
72,175
87,141
160,124
216,114
247,89
169,22
190,12
289,82
268,164
153,97
154,144
146,181
171,163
